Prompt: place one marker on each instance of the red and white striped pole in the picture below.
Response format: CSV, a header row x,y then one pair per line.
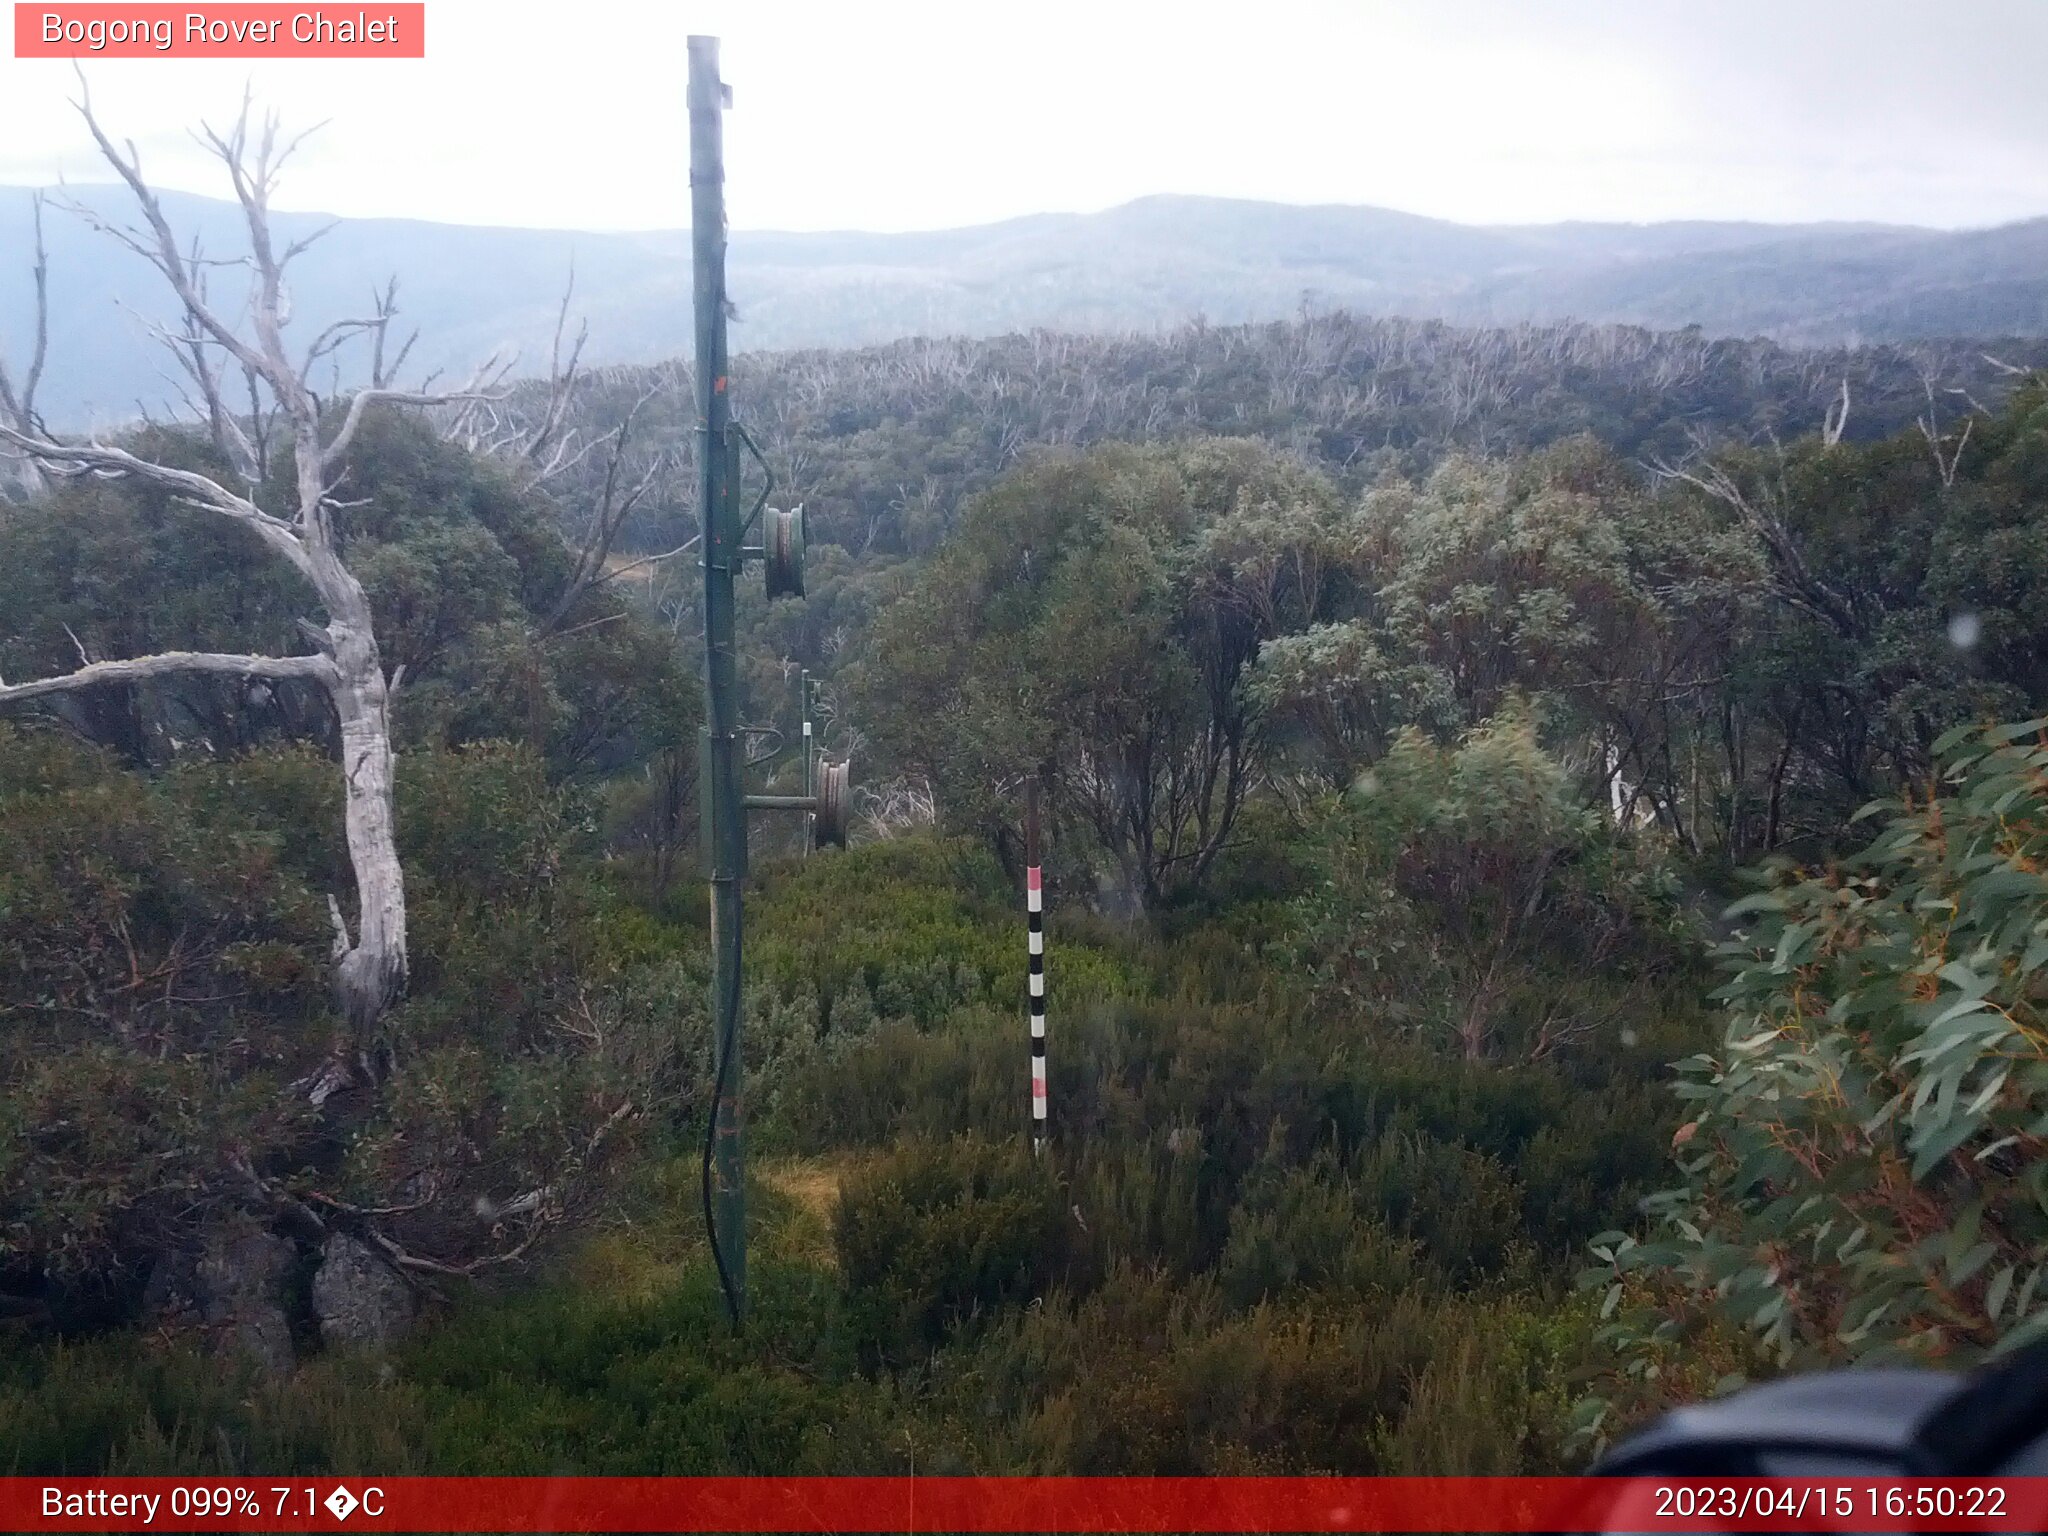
x,y
1034,906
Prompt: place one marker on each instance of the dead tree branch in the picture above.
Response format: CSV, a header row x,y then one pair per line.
x,y
1795,579
171,663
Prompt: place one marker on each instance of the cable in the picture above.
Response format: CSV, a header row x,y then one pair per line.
x,y
728,1031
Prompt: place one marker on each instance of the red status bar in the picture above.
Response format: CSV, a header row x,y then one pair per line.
x,y
1025,1504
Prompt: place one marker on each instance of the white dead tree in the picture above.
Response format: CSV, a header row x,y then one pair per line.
x,y
901,805
18,396
1946,459
1837,418
370,962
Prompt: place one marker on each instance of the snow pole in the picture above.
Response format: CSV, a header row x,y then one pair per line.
x,y
1034,907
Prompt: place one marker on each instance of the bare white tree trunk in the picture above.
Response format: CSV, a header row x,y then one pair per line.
x,y
18,397
371,972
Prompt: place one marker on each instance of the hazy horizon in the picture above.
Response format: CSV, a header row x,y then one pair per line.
x,y
286,205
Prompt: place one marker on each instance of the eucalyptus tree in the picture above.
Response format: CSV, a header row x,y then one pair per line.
x,y
1094,622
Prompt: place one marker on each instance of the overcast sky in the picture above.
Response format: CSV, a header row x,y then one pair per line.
x,y
886,115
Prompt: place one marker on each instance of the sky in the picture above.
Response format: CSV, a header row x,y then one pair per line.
x,y
893,115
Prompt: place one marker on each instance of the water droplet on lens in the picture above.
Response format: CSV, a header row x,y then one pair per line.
x,y
1965,630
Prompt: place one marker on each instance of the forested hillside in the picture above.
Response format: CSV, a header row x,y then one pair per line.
x,y
885,444
1146,266
1442,732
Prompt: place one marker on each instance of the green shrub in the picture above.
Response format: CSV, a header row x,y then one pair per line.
x,y
933,1237
1262,1238
1146,1375
554,1379
158,985
1307,1229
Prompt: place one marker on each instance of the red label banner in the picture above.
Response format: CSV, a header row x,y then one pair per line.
x,y
241,31
1050,1504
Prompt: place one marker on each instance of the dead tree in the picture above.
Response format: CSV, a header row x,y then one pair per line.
x,y
370,962
18,397
597,479
1837,417
622,486
1946,459
1764,513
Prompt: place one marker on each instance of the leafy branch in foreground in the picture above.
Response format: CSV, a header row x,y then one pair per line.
x,y
1863,1171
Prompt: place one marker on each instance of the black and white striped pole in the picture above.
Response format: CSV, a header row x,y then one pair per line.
x,y
1034,907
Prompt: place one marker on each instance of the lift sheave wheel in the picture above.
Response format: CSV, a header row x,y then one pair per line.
x,y
783,551
835,795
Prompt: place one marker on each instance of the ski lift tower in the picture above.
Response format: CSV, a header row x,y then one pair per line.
x,y
724,552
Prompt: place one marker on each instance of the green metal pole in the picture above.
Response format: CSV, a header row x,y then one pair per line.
x,y
724,813
803,696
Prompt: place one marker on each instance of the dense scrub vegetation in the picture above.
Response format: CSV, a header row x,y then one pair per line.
x,y
1394,799
1246,1189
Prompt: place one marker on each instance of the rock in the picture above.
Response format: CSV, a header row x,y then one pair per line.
x,y
359,1299
233,1290
171,1297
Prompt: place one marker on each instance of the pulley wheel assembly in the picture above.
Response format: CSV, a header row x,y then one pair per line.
x,y
835,800
783,552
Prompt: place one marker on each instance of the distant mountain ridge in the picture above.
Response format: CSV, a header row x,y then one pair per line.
x,y
1155,262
